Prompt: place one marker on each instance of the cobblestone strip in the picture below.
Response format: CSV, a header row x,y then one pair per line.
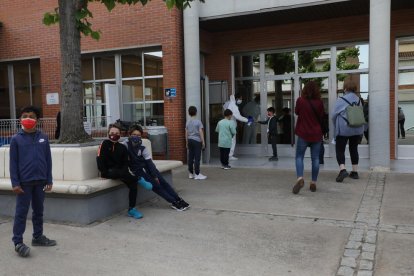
x,y
359,254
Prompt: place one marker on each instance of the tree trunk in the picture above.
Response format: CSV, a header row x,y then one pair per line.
x,y
72,129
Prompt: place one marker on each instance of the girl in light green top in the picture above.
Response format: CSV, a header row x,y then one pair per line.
x,y
226,130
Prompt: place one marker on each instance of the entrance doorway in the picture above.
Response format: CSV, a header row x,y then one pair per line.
x,y
275,78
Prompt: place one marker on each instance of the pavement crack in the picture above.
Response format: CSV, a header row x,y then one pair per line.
x,y
283,217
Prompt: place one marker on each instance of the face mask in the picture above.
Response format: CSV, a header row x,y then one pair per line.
x,y
28,123
239,101
136,140
114,137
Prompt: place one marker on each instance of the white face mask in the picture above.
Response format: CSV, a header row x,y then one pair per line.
x,y
239,101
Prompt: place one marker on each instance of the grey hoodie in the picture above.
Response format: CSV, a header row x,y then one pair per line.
x,y
341,126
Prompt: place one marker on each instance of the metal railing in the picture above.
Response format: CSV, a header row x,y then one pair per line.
x,y
94,126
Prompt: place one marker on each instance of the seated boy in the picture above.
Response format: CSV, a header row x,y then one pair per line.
x,y
140,163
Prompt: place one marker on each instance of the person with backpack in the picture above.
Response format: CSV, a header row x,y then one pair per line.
x,y
349,122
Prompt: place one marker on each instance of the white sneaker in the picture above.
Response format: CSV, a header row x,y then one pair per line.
x,y
191,175
200,176
233,158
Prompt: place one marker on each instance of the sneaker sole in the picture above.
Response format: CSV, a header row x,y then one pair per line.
x,y
44,245
23,252
299,185
131,216
353,176
175,208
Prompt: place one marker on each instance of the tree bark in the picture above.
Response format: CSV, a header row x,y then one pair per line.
x,y
72,129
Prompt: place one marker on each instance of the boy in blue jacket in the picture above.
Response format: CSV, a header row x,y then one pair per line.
x,y
141,165
31,177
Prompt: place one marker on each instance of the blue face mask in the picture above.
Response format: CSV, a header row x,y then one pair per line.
x,y
136,140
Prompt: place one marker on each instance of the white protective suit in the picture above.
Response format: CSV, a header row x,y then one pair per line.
x,y
231,104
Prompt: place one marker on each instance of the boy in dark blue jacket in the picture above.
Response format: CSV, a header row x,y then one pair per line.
x,y
31,177
140,163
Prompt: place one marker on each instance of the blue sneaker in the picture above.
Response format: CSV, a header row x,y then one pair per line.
x,y
145,184
134,213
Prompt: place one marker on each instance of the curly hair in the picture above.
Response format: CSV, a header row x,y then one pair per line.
x,y
135,127
311,90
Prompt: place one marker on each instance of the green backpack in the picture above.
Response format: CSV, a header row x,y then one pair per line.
x,y
354,114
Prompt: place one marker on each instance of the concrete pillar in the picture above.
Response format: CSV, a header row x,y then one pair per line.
x,y
379,84
192,57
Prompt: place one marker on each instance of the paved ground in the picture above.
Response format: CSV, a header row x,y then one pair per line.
x,y
244,221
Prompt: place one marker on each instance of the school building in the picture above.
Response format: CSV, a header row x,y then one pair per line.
x,y
151,64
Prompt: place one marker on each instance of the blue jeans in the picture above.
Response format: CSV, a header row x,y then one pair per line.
x,y
32,193
301,146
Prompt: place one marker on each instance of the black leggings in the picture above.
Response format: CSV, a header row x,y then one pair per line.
x,y
130,180
340,147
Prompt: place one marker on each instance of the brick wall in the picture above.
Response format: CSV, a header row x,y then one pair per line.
x,y
23,35
219,46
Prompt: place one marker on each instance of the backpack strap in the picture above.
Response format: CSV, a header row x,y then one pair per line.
x,y
358,103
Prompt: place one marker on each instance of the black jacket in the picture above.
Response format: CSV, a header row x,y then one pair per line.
x,y
272,125
112,156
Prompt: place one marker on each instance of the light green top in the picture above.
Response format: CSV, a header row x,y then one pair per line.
x,y
226,130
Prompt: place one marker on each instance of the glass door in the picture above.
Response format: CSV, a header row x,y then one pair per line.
x,y
280,95
404,111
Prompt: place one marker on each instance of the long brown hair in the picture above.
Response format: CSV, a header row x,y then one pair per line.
x,y
311,90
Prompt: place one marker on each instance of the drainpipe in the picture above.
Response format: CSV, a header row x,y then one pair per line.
x,y
192,57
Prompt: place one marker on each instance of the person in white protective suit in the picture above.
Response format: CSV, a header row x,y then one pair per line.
x,y
232,105
251,109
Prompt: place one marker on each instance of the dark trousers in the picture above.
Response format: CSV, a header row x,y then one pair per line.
x,y
130,180
32,193
273,141
401,128
340,147
224,156
194,155
161,188
322,154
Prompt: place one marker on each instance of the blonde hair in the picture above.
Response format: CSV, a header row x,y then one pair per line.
x,y
350,84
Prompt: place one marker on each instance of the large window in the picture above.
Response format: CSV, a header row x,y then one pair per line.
x,y
125,85
19,86
405,92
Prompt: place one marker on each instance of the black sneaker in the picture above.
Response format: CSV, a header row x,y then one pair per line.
x,y
43,241
354,175
228,167
185,204
273,158
22,249
177,205
341,176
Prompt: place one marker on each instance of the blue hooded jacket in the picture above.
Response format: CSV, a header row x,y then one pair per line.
x,y
30,158
341,126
